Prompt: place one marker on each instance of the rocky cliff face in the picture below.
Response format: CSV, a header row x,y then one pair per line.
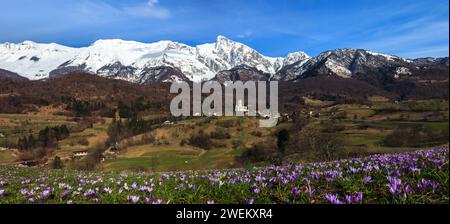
x,y
242,73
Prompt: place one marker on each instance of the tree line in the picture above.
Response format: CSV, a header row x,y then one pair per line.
x,y
46,138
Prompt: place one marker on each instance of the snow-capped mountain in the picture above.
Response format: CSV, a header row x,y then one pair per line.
x,y
167,61
32,60
360,64
135,61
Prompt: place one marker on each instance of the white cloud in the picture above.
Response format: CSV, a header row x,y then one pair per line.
x,y
413,36
102,11
149,9
434,51
245,34
152,3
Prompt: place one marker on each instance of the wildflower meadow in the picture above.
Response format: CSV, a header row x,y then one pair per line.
x,y
419,177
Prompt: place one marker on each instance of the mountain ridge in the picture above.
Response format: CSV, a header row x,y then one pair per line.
x,y
201,62
166,61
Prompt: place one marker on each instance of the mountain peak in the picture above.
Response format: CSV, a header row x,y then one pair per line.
x,y
224,41
221,38
28,42
113,42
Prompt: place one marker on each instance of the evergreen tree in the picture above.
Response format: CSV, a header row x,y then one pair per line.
x,y
282,139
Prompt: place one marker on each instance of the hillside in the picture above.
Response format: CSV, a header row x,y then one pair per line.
x,y
20,95
7,75
102,95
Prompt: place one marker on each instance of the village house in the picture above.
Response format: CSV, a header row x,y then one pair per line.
x,y
111,151
79,153
168,123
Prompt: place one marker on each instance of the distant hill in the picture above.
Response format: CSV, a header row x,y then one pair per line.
x,y
103,94
7,75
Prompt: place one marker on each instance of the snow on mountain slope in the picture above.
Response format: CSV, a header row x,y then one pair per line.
x,y
361,64
132,60
32,60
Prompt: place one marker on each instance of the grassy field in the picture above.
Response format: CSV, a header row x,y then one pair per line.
x,y
420,177
172,159
365,128
369,135
15,126
167,153
7,157
85,140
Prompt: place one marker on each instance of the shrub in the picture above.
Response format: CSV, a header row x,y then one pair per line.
x,y
227,123
83,141
318,145
147,138
218,144
57,163
220,133
256,133
184,142
201,140
416,136
236,144
259,152
282,140
331,126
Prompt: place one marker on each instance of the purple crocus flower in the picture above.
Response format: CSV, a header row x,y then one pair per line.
x,y
2,192
358,197
406,190
295,191
23,191
89,193
255,189
394,185
423,184
348,199
249,201
107,190
157,201
210,202
133,199
45,193
434,185
64,194
333,199
367,179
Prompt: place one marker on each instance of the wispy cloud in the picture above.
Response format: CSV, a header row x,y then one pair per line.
x,y
439,50
102,11
413,35
245,34
149,9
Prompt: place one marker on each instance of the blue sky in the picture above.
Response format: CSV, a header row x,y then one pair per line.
x,y
408,28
